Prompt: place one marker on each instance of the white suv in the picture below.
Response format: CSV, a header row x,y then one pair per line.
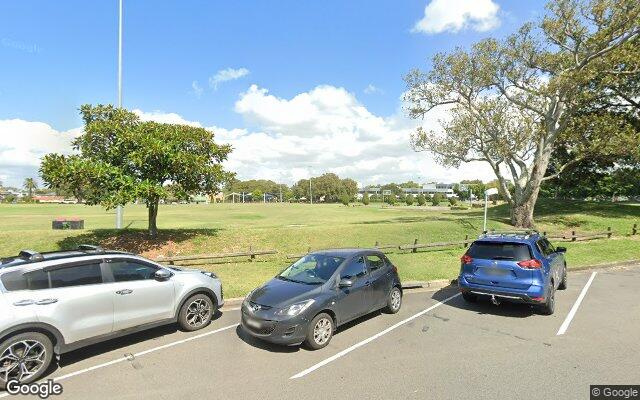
x,y
52,303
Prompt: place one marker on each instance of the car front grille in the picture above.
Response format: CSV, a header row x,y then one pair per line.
x,y
267,327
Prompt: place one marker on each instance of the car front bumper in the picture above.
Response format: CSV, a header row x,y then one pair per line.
x,y
534,294
288,332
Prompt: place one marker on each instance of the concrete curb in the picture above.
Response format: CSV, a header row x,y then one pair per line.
x,y
442,283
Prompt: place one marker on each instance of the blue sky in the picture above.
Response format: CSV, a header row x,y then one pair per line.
x,y
300,55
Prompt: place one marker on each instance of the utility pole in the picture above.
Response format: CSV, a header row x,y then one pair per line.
x,y
119,209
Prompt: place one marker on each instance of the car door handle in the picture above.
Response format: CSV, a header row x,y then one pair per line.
x,y
23,303
367,283
46,301
124,292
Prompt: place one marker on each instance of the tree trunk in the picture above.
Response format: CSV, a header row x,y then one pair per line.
x,y
522,214
152,206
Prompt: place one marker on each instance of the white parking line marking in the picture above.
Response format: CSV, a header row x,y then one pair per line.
x,y
574,309
119,360
370,339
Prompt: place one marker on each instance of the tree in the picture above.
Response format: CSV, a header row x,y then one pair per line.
x,y
512,100
121,159
257,196
365,198
30,186
437,199
345,199
409,199
421,200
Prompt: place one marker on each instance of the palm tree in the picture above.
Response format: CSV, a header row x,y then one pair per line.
x,y
30,186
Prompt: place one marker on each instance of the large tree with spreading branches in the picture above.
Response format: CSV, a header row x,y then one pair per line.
x,y
570,79
120,159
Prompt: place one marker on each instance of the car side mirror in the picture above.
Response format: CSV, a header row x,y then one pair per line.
x,y
561,249
345,283
162,275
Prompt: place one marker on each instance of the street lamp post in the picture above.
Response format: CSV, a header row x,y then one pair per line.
x,y
119,209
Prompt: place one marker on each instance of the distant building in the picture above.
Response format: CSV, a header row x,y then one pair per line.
x,y
427,189
50,199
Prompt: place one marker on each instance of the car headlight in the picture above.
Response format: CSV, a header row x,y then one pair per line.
x,y
296,309
210,274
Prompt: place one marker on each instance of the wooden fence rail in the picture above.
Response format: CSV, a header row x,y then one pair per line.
x,y
202,257
252,254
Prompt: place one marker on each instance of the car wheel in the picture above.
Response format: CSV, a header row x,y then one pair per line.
x,y
469,297
196,313
563,283
394,301
320,331
549,305
24,357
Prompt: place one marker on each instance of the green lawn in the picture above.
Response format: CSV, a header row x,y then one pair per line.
x,y
292,228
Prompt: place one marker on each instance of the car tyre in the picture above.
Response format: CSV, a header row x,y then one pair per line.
x,y
320,331
196,313
469,297
30,351
394,301
563,283
549,306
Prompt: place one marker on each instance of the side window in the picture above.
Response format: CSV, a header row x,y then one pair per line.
x,y
549,246
355,269
124,271
20,280
375,262
77,275
545,247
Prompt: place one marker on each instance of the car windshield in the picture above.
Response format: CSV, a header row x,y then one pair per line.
x,y
312,269
499,251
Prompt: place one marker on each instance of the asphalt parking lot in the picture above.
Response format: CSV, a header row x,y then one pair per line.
x,y
437,346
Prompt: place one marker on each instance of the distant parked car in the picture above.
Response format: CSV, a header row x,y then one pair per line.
x,y
513,266
317,293
52,303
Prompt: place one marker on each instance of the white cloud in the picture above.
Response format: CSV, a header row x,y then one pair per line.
x,y
163,117
24,143
325,129
196,89
455,15
225,75
371,89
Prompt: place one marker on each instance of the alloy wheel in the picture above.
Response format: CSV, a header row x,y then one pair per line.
x,y
22,360
198,313
396,298
322,331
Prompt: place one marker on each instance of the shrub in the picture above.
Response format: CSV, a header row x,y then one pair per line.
x,y
365,199
391,199
453,201
345,199
409,200
460,207
437,198
421,200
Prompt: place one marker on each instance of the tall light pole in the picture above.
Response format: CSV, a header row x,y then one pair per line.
x,y
119,209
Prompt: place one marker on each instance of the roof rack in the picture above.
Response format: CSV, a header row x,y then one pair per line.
x,y
30,255
514,232
91,248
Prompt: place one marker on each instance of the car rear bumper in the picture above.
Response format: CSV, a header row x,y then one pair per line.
x,y
534,294
285,332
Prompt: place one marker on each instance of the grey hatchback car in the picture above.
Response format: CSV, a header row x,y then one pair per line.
x,y
322,290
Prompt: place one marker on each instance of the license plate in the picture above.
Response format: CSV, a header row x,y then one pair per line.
x,y
252,323
497,271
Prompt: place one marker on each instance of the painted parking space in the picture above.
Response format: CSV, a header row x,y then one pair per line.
x,y
437,348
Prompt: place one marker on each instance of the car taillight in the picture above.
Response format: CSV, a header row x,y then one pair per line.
x,y
530,264
466,259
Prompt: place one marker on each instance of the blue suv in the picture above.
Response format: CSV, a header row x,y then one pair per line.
x,y
520,266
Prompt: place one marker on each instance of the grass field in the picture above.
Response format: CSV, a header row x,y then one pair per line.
x,y
292,228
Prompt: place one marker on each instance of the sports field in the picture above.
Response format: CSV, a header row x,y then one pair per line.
x,y
293,228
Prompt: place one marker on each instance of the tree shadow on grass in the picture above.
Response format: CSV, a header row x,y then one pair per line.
x,y
134,240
